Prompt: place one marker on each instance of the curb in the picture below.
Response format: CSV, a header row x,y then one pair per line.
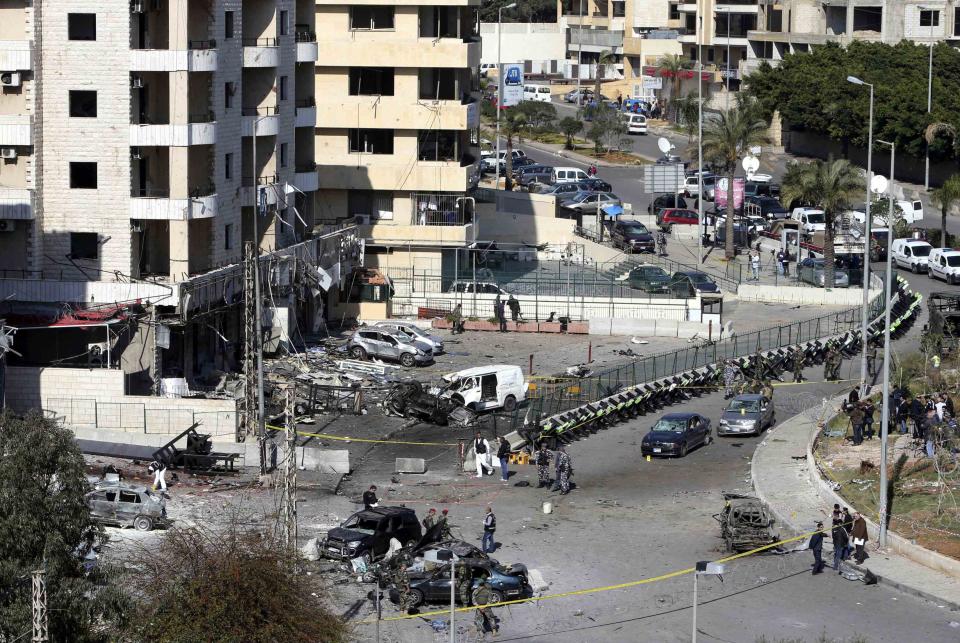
x,y
815,479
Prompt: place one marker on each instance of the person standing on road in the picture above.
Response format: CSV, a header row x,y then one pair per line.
x,y
859,534
564,470
729,378
755,265
456,319
847,524
542,459
816,546
489,527
856,420
481,449
840,542
780,261
503,453
872,357
868,411
514,306
917,414
798,364
501,315
370,497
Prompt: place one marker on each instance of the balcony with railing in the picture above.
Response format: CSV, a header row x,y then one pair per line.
x,y
264,119
201,55
16,203
261,52
306,46
306,115
267,185
305,179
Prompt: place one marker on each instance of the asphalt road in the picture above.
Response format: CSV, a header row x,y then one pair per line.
x,y
630,519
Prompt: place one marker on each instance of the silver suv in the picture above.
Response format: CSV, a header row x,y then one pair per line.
x,y
414,334
369,342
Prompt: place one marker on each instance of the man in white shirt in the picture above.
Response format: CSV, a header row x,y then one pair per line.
x,y
482,450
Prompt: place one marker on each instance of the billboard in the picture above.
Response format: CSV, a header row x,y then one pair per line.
x,y
660,179
720,199
511,84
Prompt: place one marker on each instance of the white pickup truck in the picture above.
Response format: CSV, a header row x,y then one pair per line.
x,y
811,220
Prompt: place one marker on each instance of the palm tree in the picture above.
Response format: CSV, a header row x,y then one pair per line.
x,y
688,113
512,124
946,197
725,139
830,185
671,65
606,58
570,127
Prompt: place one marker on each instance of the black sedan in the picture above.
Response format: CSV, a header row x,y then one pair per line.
x,y
433,586
689,283
594,184
675,434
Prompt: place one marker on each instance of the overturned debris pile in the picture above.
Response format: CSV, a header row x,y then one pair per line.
x,y
410,400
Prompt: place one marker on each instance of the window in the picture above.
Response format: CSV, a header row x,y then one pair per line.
x,y
83,104
956,21
228,24
371,141
283,88
283,155
674,11
929,18
82,26
83,176
84,245
371,17
228,166
228,90
129,496
377,205
371,81
282,24
228,236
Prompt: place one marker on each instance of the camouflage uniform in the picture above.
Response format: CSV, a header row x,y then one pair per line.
x,y
828,364
798,363
543,458
483,619
767,389
729,379
402,582
565,468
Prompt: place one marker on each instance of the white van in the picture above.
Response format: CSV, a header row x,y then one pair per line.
x,y
944,263
567,175
537,92
912,212
911,254
498,386
810,219
636,123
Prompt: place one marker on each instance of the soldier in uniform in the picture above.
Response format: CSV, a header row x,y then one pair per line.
x,y
798,363
729,378
483,618
430,520
401,580
828,362
542,458
767,389
836,363
872,357
564,470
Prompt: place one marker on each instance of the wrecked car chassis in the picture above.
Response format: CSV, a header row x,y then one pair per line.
x,y
410,400
745,523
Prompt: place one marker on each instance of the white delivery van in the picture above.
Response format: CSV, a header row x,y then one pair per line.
x,y
911,254
636,123
567,175
810,219
484,388
537,92
944,263
912,212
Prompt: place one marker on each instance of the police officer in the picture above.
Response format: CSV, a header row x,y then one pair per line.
x,y
542,459
798,363
564,470
872,357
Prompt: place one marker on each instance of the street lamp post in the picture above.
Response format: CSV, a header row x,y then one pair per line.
x,y
885,412
496,181
701,229
579,52
926,161
866,243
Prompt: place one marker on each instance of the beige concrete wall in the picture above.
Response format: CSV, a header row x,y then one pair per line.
x,y
529,229
29,387
521,41
16,173
406,258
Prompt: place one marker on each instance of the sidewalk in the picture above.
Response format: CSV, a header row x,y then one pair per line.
x,y
782,478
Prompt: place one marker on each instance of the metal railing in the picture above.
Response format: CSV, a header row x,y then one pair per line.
x,y
305,36
202,44
266,110
440,209
259,42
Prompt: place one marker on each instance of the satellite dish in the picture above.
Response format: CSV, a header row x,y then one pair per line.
x,y
878,184
751,164
664,145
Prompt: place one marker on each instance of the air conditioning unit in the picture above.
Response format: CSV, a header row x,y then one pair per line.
x,y
136,6
10,79
362,219
97,354
135,153
136,81
8,152
7,225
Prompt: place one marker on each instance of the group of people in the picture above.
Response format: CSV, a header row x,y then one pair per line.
x,y
860,412
483,456
499,311
563,468
927,413
849,536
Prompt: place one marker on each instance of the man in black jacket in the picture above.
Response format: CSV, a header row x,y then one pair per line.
x,y
370,497
840,541
503,453
816,546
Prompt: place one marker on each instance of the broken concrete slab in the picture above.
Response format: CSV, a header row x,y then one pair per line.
x,y
411,465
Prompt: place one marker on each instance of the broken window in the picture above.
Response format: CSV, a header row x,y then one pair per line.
x,y
84,245
111,496
867,18
439,84
371,81
129,496
439,22
371,18
439,145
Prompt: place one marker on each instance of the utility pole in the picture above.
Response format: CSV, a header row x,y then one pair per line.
x,y
288,494
251,347
702,229
258,314
39,606
885,409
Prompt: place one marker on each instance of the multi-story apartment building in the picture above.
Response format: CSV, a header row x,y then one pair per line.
x,y
397,125
722,35
127,133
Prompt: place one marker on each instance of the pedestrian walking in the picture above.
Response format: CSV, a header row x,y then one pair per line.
x,y
755,265
456,320
481,449
859,537
929,432
661,244
496,306
564,470
159,471
514,307
489,527
816,546
484,619
799,359
370,497
542,460
780,261
840,543
503,453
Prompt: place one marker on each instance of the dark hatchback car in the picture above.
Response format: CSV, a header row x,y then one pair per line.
x,y
366,534
631,236
666,201
650,279
676,434
769,207
506,583
534,174
689,283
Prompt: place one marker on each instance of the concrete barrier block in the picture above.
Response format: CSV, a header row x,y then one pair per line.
x,y
315,459
515,440
411,465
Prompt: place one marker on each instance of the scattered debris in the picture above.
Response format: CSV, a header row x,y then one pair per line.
x,y
745,523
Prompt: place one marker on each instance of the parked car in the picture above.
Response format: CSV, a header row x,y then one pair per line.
x,y
812,271
590,201
689,283
631,236
768,207
754,188
415,333
533,173
666,201
366,534
676,216
944,263
676,434
433,586
636,123
369,342
750,413
911,254
585,96
568,175
562,190
593,184
691,185
480,287
649,278
486,388
126,505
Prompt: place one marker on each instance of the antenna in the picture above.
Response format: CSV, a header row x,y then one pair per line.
x,y
664,145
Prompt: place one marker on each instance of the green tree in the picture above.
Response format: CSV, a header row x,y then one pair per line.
x,y
606,129
672,65
539,116
570,127
688,114
606,58
512,123
830,185
526,11
43,523
946,197
726,137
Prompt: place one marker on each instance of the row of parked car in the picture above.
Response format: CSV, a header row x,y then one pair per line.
x,y
918,256
683,283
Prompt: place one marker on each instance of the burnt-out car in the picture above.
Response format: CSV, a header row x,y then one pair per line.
x,y
125,505
745,523
366,534
433,585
